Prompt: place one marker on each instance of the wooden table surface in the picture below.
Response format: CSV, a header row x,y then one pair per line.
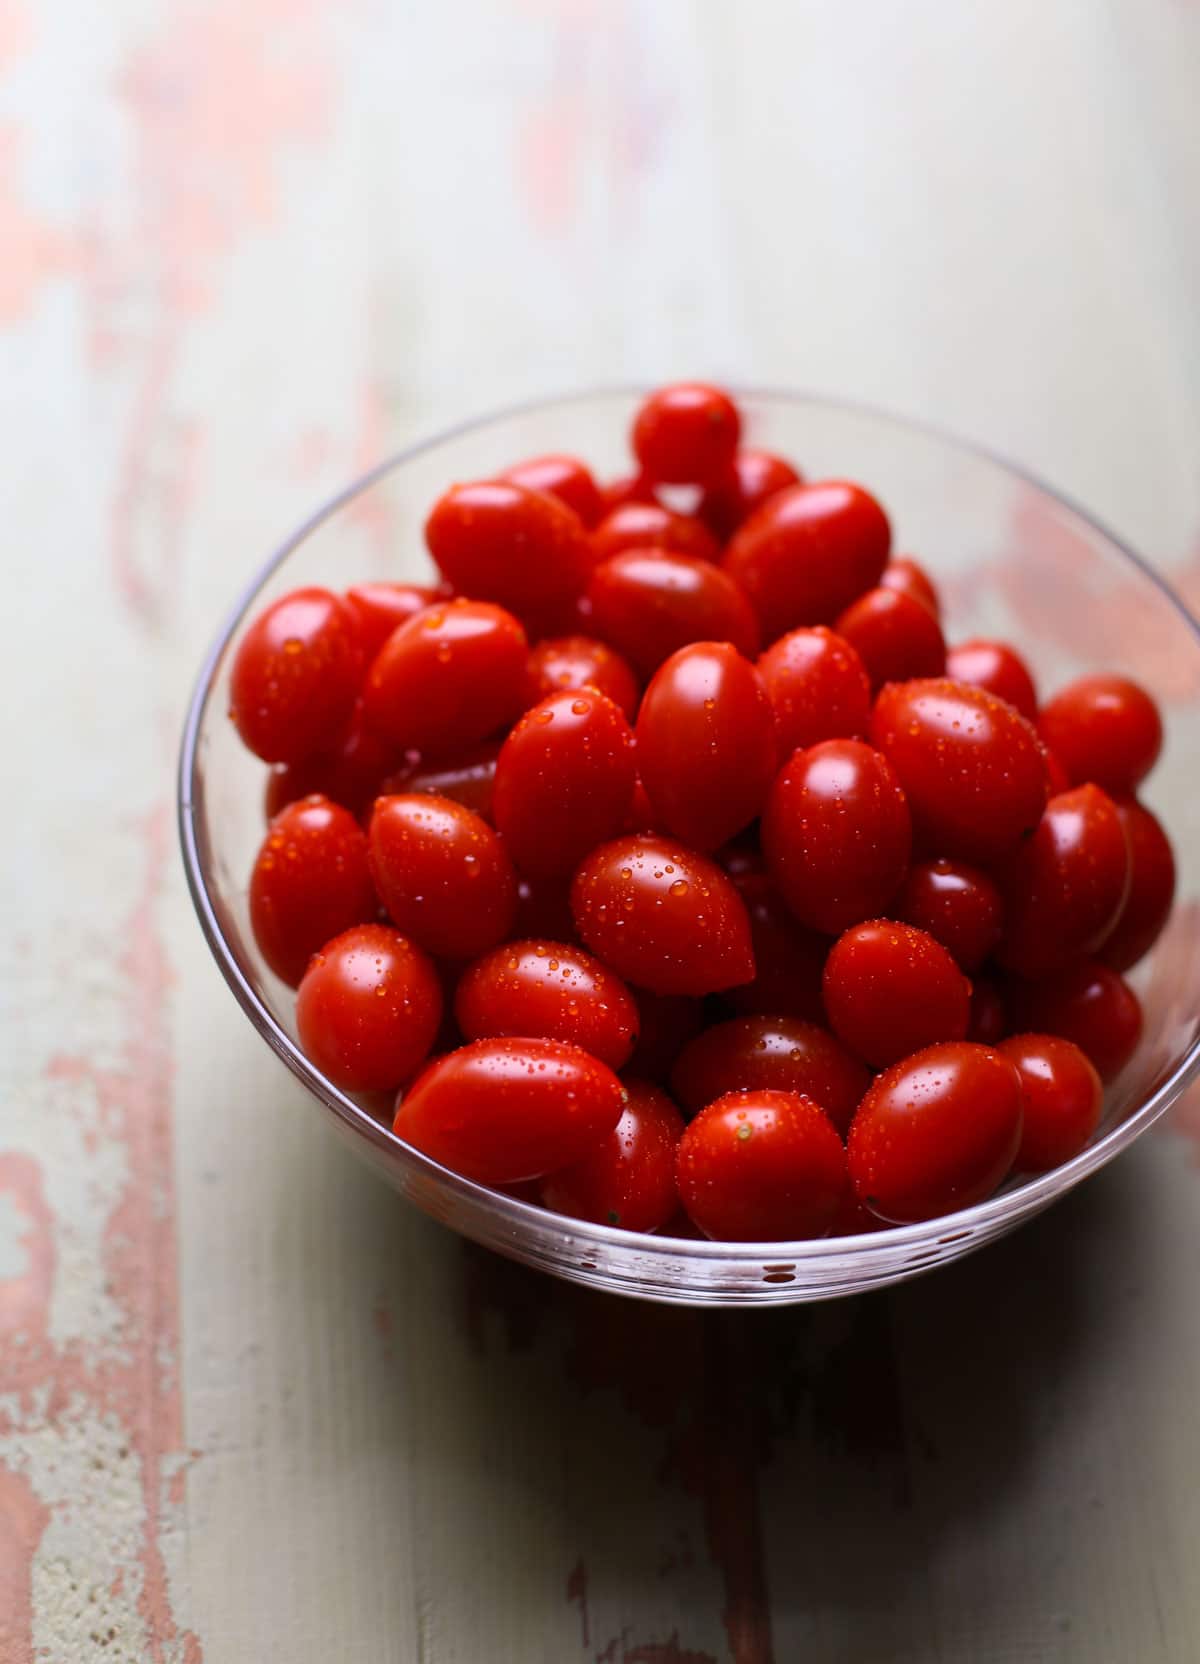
x,y
252,1407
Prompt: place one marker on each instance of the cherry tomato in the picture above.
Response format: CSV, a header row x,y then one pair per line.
x,y
501,542
905,575
936,1132
958,905
818,688
567,662
469,777
498,1111
970,766
808,552
895,636
686,434
1151,888
549,989
368,1008
380,607
1056,775
989,1013
836,835
564,780
788,959
351,771
754,476
1105,729
891,990
666,1022
1061,1096
629,1179
1065,887
641,816
782,1054
706,743
629,488
310,882
997,668
852,1218
451,676
442,873
662,916
761,1167
296,675
564,477
544,909
649,602
647,525
1089,1004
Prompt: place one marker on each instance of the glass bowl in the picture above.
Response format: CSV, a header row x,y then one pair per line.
x,y
1012,559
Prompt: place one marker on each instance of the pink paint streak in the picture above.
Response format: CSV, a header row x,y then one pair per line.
x,y
34,251
23,1519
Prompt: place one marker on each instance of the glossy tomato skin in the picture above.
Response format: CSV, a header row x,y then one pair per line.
x,y
468,776
808,552
997,668
310,882
836,834
649,602
686,434
706,743
895,636
443,875
891,990
628,488
664,917
450,677
936,1132
564,781
666,1022
761,1166
564,477
1151,888
818,688
970,765
753,478
1089,1004
381,607
568,662
783,1054
296,675
1065,887
788,958
647,525
1061,1096
957,904
498,541
629,1179
1104,729
368,1009
351,771
910,578
550,989
499,1111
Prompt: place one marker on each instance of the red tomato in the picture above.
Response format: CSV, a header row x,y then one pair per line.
x,y
310,882
835,832
997,668
549,989
905,575
818,688
706,743
451,676
662,916
895,636
368,1009
647,525
468,777
1089,1004
686,434
958,905
1105,729
498,1111
500,542
1065,886
630,488
380,607
666,1022
641,816
989,1013
754,476
852,1218
569,662
629,1179
564,781
1061,1096
761,1167
971,767
649,602
1056,774
442,873
1151,888
544,909
781,1054
296,675
788,959
564,477
891,990
808,552
351,771
936,1132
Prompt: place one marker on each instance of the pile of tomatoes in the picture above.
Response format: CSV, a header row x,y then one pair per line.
x,y
722,894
